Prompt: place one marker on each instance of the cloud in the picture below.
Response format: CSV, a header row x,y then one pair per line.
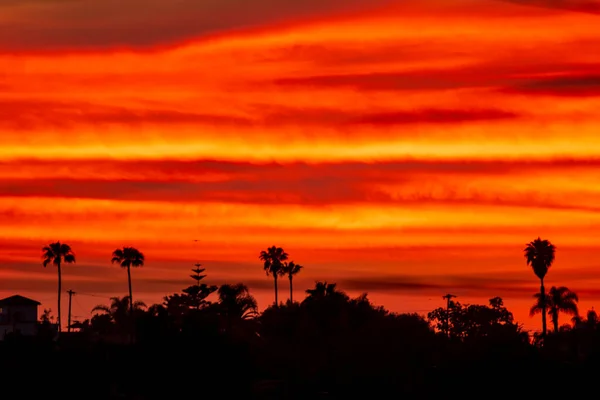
x,y
202,170
575,85
109,23
388,81
26,115
433,116
393,183
562,79
462,285
32,114
585,6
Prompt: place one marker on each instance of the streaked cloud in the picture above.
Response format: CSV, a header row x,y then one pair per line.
x,y
67,24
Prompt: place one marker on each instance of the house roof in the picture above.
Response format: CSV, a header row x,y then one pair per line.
x,y
17,300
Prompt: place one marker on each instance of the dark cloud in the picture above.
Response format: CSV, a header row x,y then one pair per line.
x,y
25,115
316,191
99,23
433,116
274,183
568,86
585,6
567,80
186,170
505,283
389,81
31,114
465,285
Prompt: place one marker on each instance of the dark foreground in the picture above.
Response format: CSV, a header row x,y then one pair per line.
x,y
334,348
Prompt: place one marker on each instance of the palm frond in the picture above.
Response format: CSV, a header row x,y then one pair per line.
x,y
273,259
128,257
535,309
540,255
64,248
102,308
139,305
57,253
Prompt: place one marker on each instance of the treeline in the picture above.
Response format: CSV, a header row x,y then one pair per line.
x,y
212,341
328,345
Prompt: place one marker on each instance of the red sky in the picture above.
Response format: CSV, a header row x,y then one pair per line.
x,y
404,148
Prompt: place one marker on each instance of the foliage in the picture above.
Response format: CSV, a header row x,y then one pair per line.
x,y
273,260
540,255
476,321
557,300
128,257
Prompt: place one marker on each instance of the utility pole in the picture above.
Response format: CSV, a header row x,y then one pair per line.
x,y
71,293
448,297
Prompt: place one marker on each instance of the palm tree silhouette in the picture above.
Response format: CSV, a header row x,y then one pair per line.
x,y
273,259
558,299
291,269
236,301
58,254
119,309
322,289
540,255
129,257
590,322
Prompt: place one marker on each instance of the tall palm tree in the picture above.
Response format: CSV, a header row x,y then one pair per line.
x,y
128,257
540,255
291,269
273,259
558,299
58,254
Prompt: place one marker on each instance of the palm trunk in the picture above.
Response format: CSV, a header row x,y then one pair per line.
x,y
543,299
291,291
130,303
555,320
275,280
58,320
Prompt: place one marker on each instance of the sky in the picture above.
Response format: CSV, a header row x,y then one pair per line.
x,y
402,148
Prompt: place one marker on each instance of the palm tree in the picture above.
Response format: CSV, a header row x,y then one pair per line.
x,y
128,257
291,269
273,259
58,254
323,289
119,309
558,299
236,301
540,255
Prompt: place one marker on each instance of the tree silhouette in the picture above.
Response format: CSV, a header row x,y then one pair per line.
x,y
558,299
235,301
58,254
477,321
198,273
291,269
273,259
197,294
129,257
540,255
322,289
119,310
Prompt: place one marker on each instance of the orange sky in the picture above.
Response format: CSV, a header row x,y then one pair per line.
x,y
404,148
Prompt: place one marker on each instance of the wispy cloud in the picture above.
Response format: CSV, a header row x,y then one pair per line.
x,y
69,24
